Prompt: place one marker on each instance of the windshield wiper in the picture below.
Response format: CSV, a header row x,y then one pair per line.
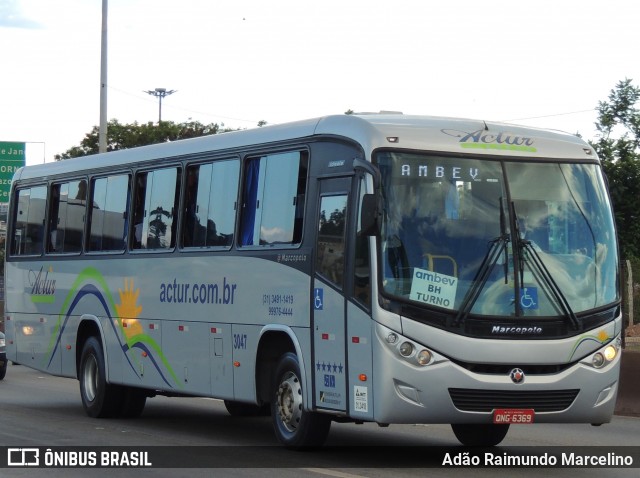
x,y
540,270
497,248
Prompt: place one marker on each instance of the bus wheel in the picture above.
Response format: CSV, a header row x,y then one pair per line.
x,y
239,409
480,434
294,427
99,398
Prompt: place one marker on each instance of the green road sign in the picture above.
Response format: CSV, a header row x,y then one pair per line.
x,y
12,158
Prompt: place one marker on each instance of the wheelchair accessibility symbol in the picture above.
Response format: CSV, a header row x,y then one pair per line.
x,y
529,297
318,299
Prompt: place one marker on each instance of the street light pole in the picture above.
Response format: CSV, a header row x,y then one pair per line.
x,y
102,133
160,93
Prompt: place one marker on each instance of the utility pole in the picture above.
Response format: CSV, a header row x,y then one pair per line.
x,y
160,93
102,134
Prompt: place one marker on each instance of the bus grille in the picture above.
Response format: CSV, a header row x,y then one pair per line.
x,y
470,400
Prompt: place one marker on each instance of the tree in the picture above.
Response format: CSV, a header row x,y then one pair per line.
x,y
618,146
124,136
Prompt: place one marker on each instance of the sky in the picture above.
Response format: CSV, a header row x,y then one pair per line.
x,y
542,63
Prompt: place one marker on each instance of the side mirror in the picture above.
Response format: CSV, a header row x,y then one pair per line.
x,y
370,215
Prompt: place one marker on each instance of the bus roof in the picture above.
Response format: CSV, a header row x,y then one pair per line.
x,y
371,131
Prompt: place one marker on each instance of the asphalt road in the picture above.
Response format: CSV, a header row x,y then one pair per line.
x,y
37,410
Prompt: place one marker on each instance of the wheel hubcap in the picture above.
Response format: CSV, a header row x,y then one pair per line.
x,y
289,400
90,378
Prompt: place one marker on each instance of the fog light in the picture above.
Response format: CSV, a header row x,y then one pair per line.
x,y
423,357
610,353
27,330
392,338
598,360
406,349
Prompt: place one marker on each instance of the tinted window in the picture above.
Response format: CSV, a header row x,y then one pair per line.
x,y
210,204
362,264
273,199
66,216
109,213
28,232
331,241
155,206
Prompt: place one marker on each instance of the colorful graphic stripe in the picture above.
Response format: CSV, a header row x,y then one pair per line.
x,y
602,338
79,290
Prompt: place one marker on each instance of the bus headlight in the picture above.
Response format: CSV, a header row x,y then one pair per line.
x,y
413,353
424,357
598,360
604,356
406,349
610,353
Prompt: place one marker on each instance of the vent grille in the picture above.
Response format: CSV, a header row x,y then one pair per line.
x,y
470,400
528,369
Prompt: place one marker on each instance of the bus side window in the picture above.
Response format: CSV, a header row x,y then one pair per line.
x,y
209,208
66,216
155,208
273,199
28,227
138,209
55,239
198,184
108,225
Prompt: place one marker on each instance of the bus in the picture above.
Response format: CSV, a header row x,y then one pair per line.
x,y
380,268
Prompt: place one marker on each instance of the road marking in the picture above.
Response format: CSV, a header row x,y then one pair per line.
x,y
337,474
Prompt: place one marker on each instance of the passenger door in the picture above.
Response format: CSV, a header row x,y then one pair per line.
x,y
328,302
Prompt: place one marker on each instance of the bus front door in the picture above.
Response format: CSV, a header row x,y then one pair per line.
x,y
328,300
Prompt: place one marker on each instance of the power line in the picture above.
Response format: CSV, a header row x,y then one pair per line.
x,y
173,106
188,110
551,116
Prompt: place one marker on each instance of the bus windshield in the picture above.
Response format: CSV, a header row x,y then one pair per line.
x,y
500,238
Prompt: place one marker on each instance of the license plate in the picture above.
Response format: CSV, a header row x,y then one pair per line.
x,y
513,416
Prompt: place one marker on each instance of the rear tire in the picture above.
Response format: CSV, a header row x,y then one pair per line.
x,y
480,434
99,398
294,426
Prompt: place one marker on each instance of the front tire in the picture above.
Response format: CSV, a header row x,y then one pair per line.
x,y
99,398
293,425
480,434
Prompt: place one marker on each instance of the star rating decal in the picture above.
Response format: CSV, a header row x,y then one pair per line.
x,y
329,367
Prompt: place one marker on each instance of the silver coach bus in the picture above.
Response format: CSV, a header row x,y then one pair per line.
x,y
371,268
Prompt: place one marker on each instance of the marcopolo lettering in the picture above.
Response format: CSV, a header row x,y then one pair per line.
x,y
514,330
